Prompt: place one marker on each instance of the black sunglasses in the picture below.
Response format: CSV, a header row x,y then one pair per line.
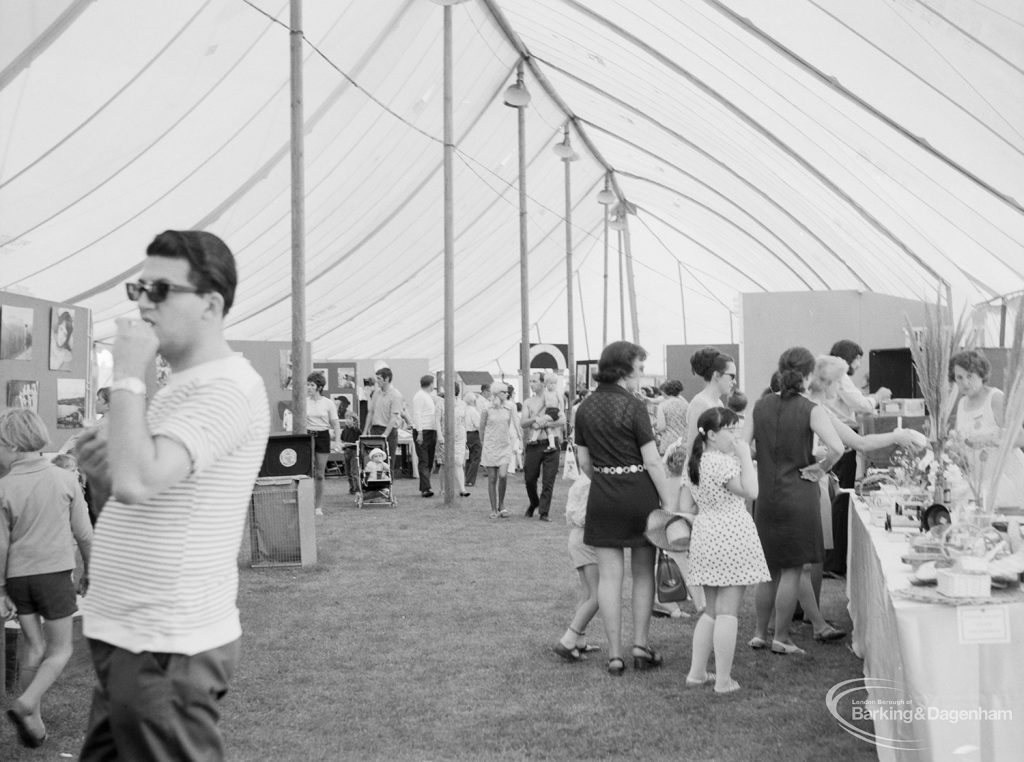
x,y
158,291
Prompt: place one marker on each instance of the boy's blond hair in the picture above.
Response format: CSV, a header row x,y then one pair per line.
x,y
23,430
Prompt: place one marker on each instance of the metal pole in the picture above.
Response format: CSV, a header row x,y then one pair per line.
x,y
571,353
622,293
524,279
449,271
299,359
583,316
630,281
604,323
682,298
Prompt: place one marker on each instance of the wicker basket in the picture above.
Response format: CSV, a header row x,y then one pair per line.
x,y
959,585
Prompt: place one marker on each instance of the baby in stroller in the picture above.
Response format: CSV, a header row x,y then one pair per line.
x,y
376,468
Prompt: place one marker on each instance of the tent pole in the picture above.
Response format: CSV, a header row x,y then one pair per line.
x,y
449,271
604,322
682,298
299,360
524,280
622,294
583,316
570,354
631,282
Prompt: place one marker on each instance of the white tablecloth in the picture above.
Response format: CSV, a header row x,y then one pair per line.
x,y
970,696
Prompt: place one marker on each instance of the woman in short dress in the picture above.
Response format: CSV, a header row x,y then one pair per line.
x,y
616,450
322,422
670,420
496,448
787,512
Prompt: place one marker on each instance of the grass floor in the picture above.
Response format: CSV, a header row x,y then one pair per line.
x,y
425,633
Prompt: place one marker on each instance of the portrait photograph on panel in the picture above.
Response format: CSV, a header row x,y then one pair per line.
x,y
15,333
70,403
286,368
62,337
23,394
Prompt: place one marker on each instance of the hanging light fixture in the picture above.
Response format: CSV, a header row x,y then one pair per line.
x,y
516,95
564,150
606,196
618,222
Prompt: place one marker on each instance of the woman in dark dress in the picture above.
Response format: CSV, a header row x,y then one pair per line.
x,y
616,449
787,516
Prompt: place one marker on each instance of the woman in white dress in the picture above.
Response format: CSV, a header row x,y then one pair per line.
x,y
980,420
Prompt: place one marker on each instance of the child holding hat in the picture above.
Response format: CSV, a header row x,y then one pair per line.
x,y
725,552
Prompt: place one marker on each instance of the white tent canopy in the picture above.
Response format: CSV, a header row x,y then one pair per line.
x,y
783,146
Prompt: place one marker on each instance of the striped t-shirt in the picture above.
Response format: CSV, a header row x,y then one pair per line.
x,y
163,575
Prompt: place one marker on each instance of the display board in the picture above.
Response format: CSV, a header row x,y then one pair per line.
x,y
45,362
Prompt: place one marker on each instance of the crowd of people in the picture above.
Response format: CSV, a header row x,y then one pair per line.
x,y
753,487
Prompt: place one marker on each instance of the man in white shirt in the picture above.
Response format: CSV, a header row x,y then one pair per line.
x,y
161,614
424,430
539,462
473,446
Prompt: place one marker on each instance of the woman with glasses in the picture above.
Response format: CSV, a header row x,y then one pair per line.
x,y
719,373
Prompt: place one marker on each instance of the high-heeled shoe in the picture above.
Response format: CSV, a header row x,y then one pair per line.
x,y
649,659
616,666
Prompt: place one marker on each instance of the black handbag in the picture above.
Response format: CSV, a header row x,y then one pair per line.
x,y
669,581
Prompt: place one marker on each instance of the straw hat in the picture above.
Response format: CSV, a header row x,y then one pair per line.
x,y
668,531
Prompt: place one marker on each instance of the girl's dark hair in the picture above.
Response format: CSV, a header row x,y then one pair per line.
x,y
712,419
672,387
848,350
795,364
973,361
617,361
704,362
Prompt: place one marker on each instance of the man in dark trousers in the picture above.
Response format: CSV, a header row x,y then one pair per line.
x,y
539,461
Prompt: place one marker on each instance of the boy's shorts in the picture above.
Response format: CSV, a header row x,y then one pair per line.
x,y
580,554
52,595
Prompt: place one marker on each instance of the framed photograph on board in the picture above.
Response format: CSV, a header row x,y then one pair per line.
x,y
344,401
23,394
62,337
15,333
285,368
346,377
70,403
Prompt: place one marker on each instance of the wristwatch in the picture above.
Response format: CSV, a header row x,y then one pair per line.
x,y
130,384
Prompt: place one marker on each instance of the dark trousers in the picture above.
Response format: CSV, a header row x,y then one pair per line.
x,y
542,465
425,455
157,706
845,470
473,449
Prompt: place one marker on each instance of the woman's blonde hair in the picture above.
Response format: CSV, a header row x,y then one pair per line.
x,y
828,369
23,430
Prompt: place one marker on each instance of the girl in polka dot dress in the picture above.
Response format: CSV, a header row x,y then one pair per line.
x,y
725,552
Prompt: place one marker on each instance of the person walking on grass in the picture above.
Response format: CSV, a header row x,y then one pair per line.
x,y
725,552
496,448
161,615
41,510
573,644
545,423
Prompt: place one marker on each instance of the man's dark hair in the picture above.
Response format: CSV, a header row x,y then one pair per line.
x,y
848,350
385,373
211,263
104,394
426,381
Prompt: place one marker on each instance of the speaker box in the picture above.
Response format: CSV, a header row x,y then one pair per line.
x,y
288,455
894,369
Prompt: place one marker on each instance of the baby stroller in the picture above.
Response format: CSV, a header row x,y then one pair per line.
x,y
373,459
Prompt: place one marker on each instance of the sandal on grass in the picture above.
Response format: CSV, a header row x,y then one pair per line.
x,y
708,679
569,654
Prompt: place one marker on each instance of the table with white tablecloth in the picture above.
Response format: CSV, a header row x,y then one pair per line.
x,y
962,693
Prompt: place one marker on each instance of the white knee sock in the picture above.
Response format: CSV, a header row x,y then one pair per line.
x,y
702,642
725,648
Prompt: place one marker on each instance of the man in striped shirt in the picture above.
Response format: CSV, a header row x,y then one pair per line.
x,y
161,614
